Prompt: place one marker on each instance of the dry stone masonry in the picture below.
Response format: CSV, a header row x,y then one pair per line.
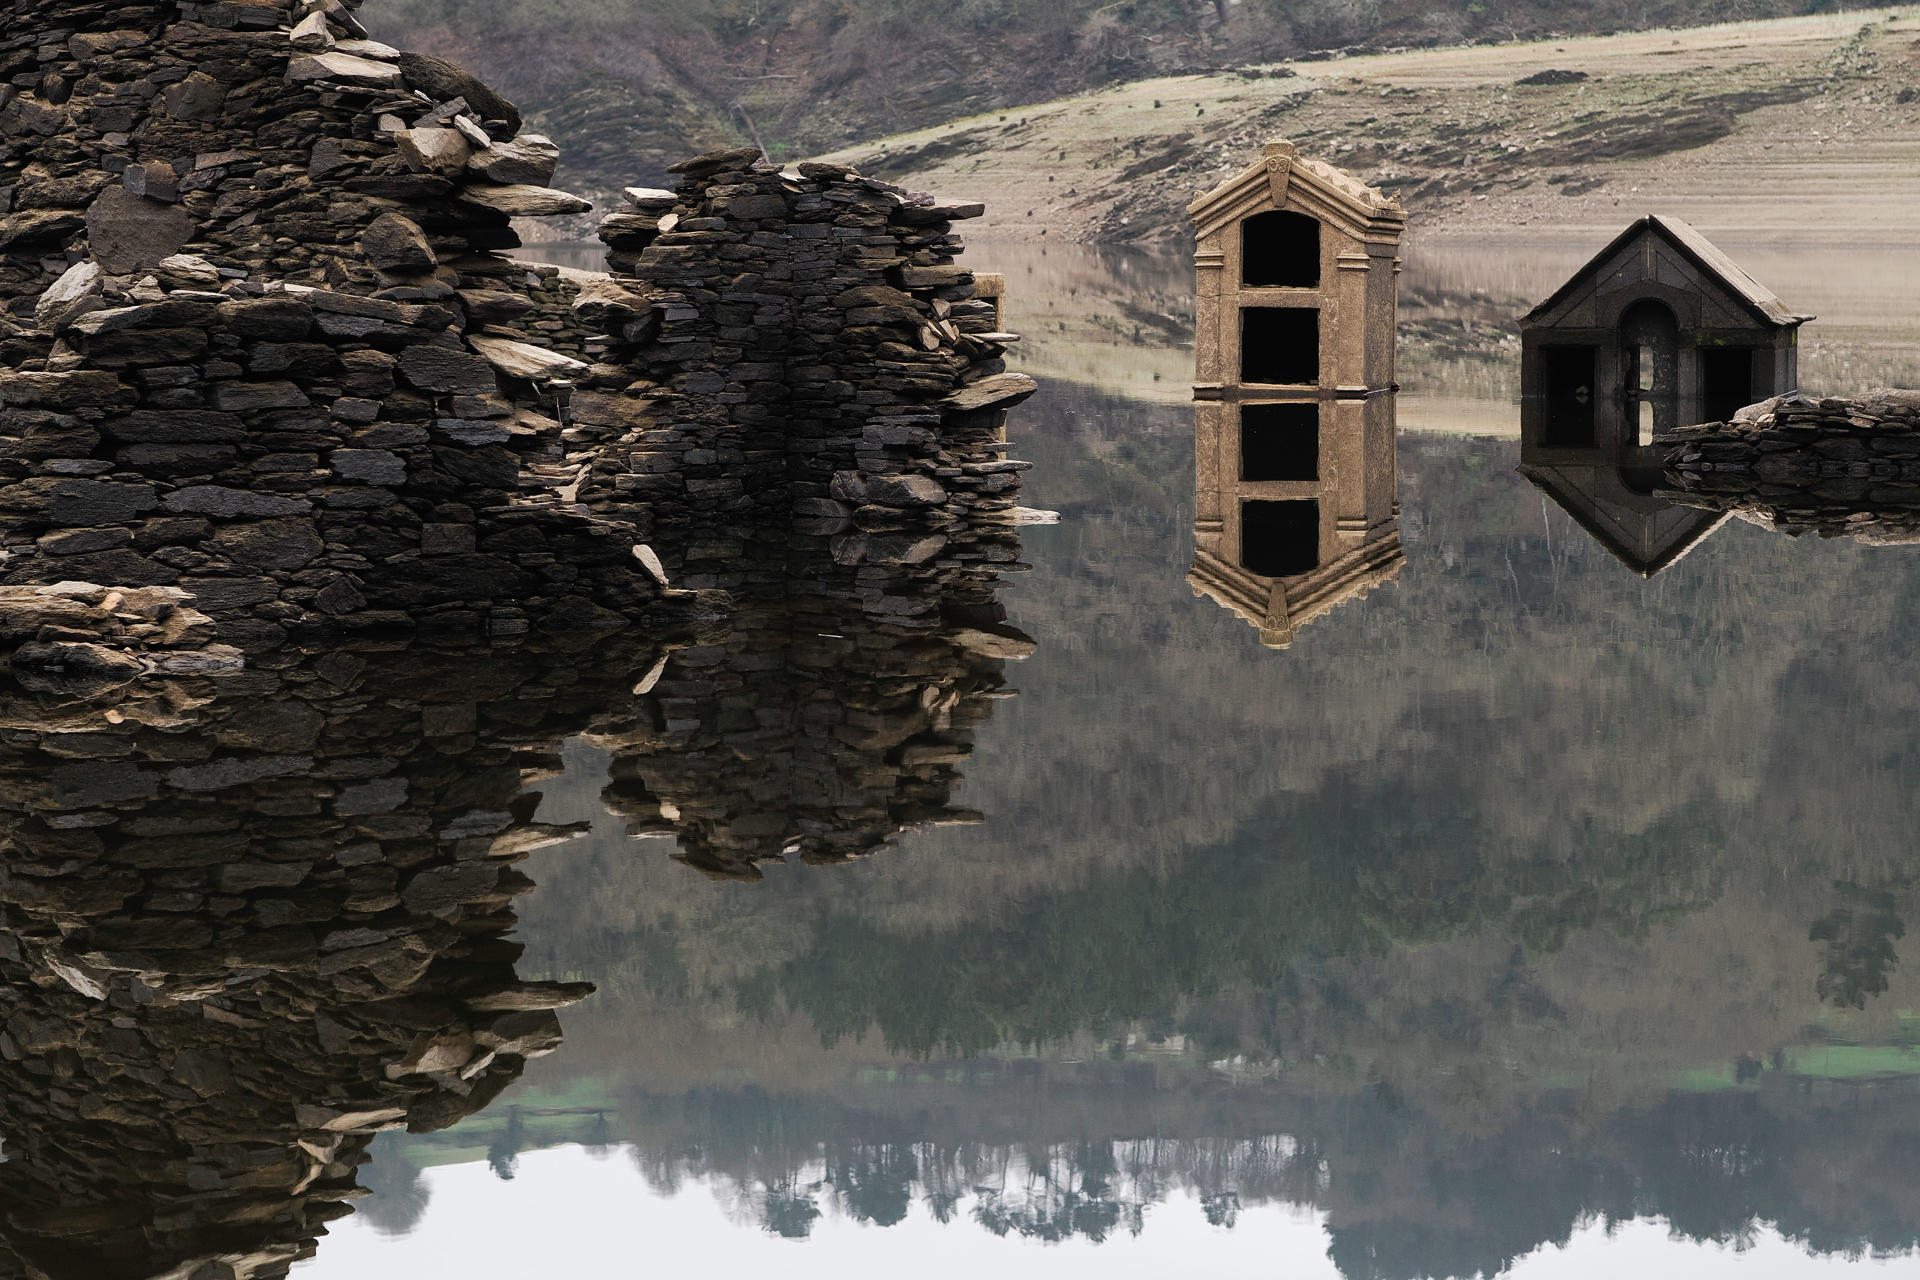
x,y
1838,467
263,344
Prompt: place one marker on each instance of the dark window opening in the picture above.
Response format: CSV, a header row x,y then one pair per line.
x,y
1280,442
1280,539
1280,249
1726,381
1569,373
1280,345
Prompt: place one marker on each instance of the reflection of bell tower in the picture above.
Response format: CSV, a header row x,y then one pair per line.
x,y
1295,506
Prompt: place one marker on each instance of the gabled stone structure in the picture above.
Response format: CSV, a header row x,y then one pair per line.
x,y
1659,330
1294,468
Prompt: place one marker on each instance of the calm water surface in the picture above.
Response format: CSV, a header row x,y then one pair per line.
x,y
1526,917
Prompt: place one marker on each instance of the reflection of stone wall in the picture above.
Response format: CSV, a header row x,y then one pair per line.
x,y
251,921
836,712
1838,467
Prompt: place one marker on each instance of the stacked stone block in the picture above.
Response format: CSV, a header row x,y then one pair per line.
x,y
817,351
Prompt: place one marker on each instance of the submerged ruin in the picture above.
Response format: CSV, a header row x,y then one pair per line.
x,y
1659,329
264,344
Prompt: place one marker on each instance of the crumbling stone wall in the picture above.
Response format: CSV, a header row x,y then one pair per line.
x,y
265,344
1840,467
815,348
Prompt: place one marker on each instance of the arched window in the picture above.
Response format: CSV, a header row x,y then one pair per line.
x,y
1280,249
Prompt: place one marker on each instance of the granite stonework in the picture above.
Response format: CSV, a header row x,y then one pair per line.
x,y
1839,467
263,342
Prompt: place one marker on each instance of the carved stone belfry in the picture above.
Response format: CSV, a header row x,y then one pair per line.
x,y
1295,508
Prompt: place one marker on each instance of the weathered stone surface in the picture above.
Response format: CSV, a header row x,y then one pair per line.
x,y
75,389
73,293
370,466
526,201
275,319
434,150
130,233
226,504
528,160
447,369
271,544
243,397
396,243
999,391
345,68
524,360
905,491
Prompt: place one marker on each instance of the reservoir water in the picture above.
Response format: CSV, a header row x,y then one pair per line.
x,y
1526,917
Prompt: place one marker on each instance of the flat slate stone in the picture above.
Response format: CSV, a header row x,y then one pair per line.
x,y
345,68
526,201
524,360
216,500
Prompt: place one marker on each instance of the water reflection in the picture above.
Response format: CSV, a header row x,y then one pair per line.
x,y
1659,330
253,921
838,708
1512,910
1294,472
249,923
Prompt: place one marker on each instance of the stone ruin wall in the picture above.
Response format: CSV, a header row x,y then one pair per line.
x,y
265,345
1839,467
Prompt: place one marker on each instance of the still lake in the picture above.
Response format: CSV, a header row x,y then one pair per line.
x,y
1525,917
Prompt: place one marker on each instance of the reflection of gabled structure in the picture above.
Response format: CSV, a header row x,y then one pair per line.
x,y
1298,267
1282,552
1643,532
1660,329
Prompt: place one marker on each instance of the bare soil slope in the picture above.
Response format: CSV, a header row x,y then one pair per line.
x,y
1779,127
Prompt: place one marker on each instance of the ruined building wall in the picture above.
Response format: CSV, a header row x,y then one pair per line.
x,y
265,345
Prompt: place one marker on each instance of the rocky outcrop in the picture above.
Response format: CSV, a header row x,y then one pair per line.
x,y
1799,464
